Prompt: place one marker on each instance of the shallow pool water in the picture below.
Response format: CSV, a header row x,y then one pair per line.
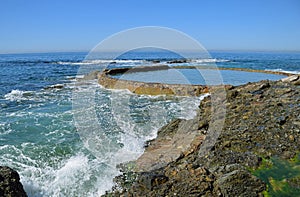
x,y
199,76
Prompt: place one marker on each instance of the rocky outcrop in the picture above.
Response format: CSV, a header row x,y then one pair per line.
x,y
10,185
262,121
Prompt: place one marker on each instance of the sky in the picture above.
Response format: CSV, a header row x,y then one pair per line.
x,y
56,25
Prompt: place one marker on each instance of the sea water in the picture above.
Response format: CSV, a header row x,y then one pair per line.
x,y
38,133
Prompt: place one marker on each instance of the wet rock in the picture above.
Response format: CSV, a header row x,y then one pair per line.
x,y
290,78
177,61
155,61
10,185
57,86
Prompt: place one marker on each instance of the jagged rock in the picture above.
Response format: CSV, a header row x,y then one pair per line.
x,y
10,185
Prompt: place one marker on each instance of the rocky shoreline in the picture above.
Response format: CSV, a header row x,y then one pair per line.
x,y
262,122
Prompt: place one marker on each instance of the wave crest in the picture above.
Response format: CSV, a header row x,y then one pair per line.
x,y
284,71
18,95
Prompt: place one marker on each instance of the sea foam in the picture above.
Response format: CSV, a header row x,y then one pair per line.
x,y
18,95
284,71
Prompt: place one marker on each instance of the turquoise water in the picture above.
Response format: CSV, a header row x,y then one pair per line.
x,y
61,149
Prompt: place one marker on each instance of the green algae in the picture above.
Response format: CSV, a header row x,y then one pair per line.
x,y
281,176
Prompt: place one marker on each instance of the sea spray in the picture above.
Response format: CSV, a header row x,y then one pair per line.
x,y
49,154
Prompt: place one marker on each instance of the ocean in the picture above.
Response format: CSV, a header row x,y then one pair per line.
x,y
43,134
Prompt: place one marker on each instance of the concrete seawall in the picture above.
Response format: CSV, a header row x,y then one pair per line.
x,y
137,87
107,81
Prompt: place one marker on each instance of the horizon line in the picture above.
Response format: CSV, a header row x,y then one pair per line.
x,y
208,50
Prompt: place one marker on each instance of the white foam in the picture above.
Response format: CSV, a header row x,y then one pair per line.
x,y
79,76
189,106
4,131
209,60
84,175
66,174
18,95
76,176
284,71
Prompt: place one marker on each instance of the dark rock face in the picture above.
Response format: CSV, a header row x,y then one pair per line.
x,y
178,61
10,185
262,121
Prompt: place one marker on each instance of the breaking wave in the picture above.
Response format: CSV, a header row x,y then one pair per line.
x,y
18,95
284,71
212,60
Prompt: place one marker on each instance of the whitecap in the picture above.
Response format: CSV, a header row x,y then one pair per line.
x,y
18,95
284,71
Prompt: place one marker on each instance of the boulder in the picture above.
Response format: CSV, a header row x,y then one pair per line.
x,y
290,78
10,185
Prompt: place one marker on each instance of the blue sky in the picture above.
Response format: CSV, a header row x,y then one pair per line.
x,y
56,25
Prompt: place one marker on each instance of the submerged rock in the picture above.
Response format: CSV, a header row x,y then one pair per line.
x,y
10,185
180,61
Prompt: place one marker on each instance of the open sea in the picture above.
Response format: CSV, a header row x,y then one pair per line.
x,y
43,132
